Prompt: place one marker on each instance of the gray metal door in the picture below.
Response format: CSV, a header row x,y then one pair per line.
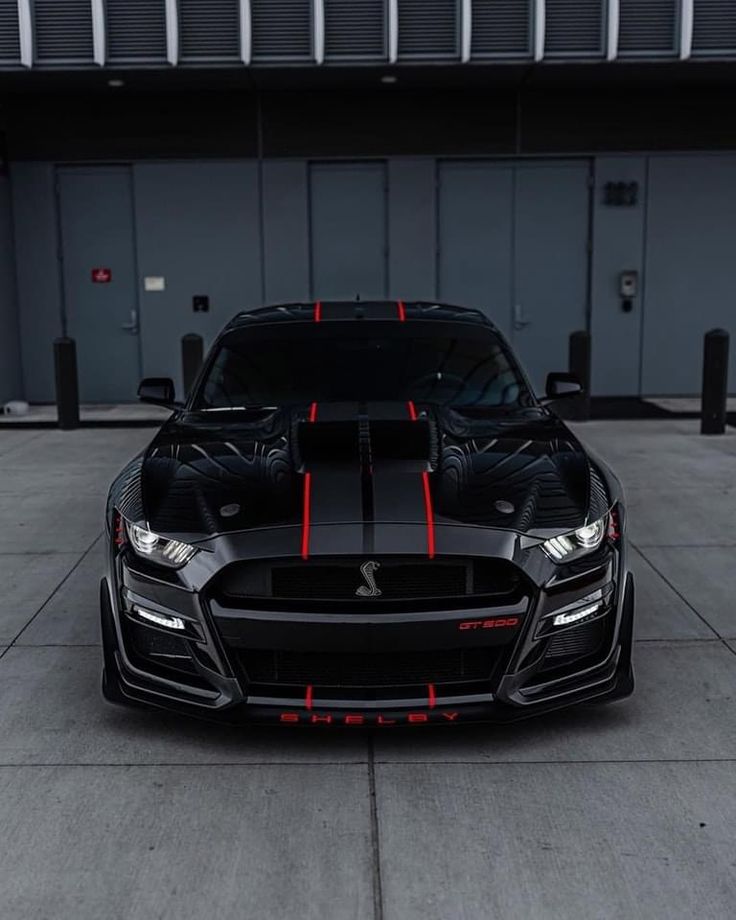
x,y
99,277
475,238
348,230
690,279
551,232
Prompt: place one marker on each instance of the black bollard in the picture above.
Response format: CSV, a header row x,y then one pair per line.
x,y
192,354
715,382
67,387
579,364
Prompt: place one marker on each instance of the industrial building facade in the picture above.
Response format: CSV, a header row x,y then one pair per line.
x,y
559,164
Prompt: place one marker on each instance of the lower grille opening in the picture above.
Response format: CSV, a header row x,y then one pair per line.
x,y
158,653
575,647
388,669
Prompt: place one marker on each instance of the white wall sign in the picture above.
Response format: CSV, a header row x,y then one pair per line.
x,y
154,283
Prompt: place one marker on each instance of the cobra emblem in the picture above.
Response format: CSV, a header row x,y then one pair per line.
x,y
370,588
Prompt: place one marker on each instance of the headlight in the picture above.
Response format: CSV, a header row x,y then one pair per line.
x,y
150,545
580,541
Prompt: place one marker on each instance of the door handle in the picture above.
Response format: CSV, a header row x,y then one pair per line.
x,y
519,321
132,326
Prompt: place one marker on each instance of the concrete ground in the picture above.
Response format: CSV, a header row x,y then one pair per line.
x,y
616,812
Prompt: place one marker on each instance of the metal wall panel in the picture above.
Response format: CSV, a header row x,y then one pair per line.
x,y
136,31
429,28
502,28
618,233
10,372
198,228
97,231
550,295
281,29
690,278
412,228
37,271
286,230
9,32
63,31
648,27
475,245
355,29
348,230
209,30
714,28
574,27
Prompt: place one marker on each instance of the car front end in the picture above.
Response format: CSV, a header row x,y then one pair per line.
x,y
357,563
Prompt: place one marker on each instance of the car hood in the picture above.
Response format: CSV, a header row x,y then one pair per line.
x,y
214,473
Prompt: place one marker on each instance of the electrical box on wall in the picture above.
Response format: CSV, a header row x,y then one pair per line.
x,y
201,303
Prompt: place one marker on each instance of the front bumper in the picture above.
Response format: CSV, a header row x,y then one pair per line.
x,y
205,670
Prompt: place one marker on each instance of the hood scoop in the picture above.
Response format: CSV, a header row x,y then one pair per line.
x,y
409,446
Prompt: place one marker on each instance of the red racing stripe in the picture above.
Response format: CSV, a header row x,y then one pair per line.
x,y
432,696
313,412
402,311
305,514
318,312
308,697
430,514
412,410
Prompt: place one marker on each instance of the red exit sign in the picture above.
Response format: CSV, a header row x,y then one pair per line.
x,y
101,275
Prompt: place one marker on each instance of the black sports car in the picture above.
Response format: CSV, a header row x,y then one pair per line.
x,y
362,515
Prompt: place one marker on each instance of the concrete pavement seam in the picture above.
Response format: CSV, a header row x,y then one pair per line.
x,y
61,584
682,597
375,834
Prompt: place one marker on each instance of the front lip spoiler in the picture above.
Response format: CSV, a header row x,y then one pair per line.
x,y
290,713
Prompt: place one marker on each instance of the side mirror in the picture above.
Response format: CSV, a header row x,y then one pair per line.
x,y
562,385
158,390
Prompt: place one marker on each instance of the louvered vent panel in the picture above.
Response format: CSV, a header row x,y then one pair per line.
x,y
136,30
502,28
63,30
209,30
647,26
714,27
282,29
428,28
9,35
355,28
574,27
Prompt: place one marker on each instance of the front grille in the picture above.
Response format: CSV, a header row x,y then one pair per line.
x,y
325,669
341,581
396,581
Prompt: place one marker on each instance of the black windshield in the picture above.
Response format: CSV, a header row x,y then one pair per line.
x,y
429,362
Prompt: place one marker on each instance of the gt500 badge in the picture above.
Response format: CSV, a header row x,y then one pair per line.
x,y
497,623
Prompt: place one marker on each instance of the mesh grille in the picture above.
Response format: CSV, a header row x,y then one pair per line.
x,y
714,26
355,28
281,29
428,28
390,669
136,30
577,642
495,581
501,27
9,34
574,27
63,30
209,30
647,26
399,581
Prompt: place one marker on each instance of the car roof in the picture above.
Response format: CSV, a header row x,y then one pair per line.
x,y
339,310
